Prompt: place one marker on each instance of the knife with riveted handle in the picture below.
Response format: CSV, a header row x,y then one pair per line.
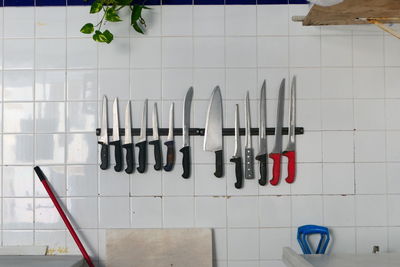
x,y
116,138
103,139
186,162
170,143
262,137
142,142
128,144
237,156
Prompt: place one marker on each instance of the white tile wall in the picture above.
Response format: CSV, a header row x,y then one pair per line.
x,y
53,78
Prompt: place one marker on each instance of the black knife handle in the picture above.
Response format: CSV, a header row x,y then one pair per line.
x,y
219,163
157,154
238,171
186,161
142,156
104,156
170,155
118,155
130,163
263,169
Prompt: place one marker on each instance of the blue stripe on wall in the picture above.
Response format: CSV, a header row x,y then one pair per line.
x,y
150,2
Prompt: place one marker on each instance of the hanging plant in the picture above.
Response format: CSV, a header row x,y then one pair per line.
x,y
110,10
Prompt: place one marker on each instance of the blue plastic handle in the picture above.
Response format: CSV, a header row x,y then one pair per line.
x,y
302,237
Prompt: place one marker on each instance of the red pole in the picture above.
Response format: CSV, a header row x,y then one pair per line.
x,y
42,178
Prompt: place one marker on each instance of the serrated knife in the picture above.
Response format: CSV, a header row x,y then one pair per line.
x,y
276,153
156,140
262,155
103,139
237,156
142,142
213,131
186,162
170,143
128,144
116,138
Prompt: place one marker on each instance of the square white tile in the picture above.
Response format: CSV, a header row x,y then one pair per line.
x,y
336,83
338,146
209,52
336,51
50,85
82,180
307,210
115,55
210,212
81,54
368,82
146,53
178,212
337,114
363,146
50,149
368,51
305,51
275,211
338,178
50,54
18,22
50,21
18,85
18,118
248,215
272,241
208,20
309,179
243,244
369,114
81,84
371,210
370,178
273,51
339,210
112,217
146,212
177,20
177,52
235,24
18,54
272,19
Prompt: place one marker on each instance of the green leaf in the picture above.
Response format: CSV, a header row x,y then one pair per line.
x,y
88,28
136,13
137,28
111,15
146,7
123,2
96,6
109,36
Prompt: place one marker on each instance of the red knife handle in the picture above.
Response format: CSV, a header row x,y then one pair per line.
x,y
291,155
276,168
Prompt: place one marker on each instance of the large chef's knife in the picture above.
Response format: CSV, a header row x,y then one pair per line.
x,y
116,139
290,151
142,142
103,139
277,151
262,137
248,149
156,140
213,130
128,144
237,156
170,143
185,134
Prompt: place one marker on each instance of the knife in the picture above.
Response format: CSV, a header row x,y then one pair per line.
x,y
142,142
185,133
128,144
237,156
213,130
276,153
170,143
248,163
262,137
156,140
290,151
103,139
116,139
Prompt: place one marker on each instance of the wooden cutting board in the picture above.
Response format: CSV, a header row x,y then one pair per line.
x,y
159,248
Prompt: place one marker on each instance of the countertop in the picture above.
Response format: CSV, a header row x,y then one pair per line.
x,y
41,261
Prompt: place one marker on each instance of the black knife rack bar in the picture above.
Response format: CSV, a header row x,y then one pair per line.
x,y
200,131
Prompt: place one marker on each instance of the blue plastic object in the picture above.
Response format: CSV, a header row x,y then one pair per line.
x,y
302,237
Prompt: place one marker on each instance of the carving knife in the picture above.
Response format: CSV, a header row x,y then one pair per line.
x,y
276,153
128,144
116,139
103,139
185,134
213,130
170,143
237,156
248,149
290,151
262,137
142,142
156,140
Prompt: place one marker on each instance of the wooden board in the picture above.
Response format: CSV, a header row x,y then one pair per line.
x,y
159,248
348,11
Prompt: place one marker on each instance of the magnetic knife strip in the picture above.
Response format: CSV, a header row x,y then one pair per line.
x,y
200,131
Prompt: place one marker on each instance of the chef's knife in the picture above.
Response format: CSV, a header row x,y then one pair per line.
x,y
237,156
170,143
213,130
103,139
290,151
185,134
156,140
262,137
142,142
128,144
116,139
276,153
248,149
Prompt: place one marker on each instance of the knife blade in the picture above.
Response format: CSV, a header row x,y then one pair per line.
x,y
156,140
290,151
237,156
276,153
170,143
128,144
103,139
249,153
262,137
213,130
186,162
142,142
116,139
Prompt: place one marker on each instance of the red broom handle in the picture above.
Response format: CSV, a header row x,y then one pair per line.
x,y
42,178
